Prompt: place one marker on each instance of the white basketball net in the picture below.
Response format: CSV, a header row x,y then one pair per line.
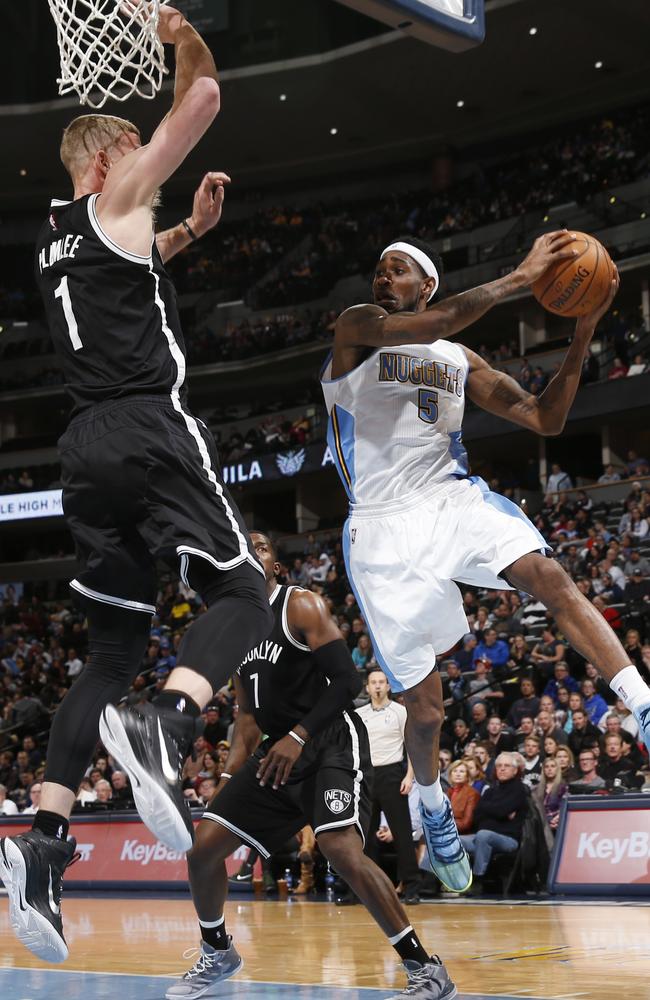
x,y
109,48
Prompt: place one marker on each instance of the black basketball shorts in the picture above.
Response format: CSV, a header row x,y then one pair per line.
x,y
328,790
141,482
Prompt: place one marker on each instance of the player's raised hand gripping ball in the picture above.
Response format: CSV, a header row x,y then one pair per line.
x,y
580,286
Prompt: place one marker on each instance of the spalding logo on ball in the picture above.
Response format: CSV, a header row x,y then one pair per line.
x,y
579,286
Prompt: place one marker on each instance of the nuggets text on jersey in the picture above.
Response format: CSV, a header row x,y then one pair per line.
x,y
395,367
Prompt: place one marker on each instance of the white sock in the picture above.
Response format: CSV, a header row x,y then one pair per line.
x,y
432,796
630,686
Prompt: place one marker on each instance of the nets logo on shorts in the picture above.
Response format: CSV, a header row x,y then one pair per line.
x,y
336,800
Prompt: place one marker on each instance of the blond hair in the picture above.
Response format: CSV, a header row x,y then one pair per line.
x,y
87,134
455,765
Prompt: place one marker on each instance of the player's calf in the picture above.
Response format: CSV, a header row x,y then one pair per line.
x,y
427,975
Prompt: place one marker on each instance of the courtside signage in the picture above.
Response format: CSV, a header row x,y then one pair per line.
x,y
19,506
121,850
603,846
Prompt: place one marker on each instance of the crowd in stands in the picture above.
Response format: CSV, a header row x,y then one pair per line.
x,y
572,167
274,433
231,259
261,335
514,686
24,480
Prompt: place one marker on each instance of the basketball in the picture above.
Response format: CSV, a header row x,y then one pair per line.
x,y
577,287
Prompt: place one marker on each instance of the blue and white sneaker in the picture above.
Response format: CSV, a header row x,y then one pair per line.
x,y
642,716
211,968
427,982
447,856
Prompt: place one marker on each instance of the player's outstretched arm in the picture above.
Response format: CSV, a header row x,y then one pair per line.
x,y
545,414
134,180
206,212
245,738
372,326
309,619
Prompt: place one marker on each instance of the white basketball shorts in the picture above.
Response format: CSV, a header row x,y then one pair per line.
x,y
403,558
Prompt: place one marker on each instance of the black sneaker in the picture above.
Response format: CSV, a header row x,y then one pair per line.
x,y
32,867
151,747
245,874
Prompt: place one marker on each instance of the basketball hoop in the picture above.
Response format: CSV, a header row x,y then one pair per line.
x,y
109,48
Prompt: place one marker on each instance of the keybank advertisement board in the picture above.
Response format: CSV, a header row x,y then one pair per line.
x,y
284,465
117,851
602,846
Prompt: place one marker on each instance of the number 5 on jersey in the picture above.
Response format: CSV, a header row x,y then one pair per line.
x,y
427,406
63,292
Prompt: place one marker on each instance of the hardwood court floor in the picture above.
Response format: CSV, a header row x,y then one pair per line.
x,y
554,952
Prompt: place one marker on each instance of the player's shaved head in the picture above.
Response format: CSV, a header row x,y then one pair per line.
x,y
267,541
87,134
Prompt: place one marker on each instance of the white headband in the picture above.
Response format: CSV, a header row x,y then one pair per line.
x,y
420,258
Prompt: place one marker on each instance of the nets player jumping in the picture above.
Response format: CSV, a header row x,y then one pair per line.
x,y
296,687
395,389
140,481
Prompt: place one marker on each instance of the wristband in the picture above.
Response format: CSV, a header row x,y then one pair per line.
x,y
297,738
225,775
188,229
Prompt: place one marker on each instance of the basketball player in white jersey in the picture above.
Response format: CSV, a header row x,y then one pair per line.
x,y
395,389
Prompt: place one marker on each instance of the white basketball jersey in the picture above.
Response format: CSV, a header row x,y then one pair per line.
x,y
395,421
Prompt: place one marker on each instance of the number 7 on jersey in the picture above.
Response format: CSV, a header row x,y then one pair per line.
x,y
256,689
63,292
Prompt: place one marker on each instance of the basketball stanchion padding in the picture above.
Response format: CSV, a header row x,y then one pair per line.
x,y
108,49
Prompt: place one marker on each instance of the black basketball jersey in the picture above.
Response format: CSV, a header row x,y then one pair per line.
x,y
112,314
281,682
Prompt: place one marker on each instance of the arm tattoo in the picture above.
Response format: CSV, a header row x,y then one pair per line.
x,y
467,303
507,391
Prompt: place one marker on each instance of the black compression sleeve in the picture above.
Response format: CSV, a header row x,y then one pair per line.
x,y
335,662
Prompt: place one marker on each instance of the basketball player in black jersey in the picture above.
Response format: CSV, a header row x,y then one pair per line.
x,y
140,477
296,687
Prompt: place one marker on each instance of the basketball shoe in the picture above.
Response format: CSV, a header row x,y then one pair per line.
x,y
151,747
447,855
426,982
211,968
31,867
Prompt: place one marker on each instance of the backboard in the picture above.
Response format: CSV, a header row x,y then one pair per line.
x,y
450,24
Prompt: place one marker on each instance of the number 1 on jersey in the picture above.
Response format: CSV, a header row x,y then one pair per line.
x,y
256,689
63,292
